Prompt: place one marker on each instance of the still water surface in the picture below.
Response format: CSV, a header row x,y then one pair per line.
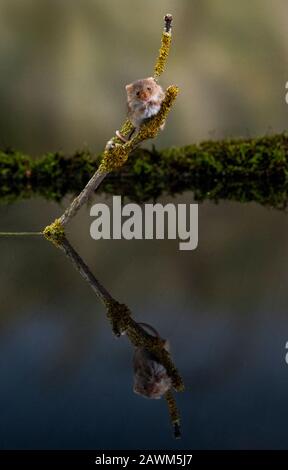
x,y
66,382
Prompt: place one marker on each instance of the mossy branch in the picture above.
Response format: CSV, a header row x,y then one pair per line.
x,y
116,153
165,46
173,413
239,170
54,233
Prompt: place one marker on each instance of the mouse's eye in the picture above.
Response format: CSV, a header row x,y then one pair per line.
x,y
138,93
148,88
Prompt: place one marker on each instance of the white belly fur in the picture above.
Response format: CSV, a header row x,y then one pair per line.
x,y
151,110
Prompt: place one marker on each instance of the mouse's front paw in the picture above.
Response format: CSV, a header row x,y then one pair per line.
x,y
110,145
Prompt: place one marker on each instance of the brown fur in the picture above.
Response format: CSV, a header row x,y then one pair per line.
x,y
144,98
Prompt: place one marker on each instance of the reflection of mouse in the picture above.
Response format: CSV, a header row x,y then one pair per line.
x,y
150,377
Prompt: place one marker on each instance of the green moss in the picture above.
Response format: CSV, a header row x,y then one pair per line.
x,y
238,170
14,165
54,232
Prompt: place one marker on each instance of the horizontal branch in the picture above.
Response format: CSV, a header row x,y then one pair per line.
x,y
241,170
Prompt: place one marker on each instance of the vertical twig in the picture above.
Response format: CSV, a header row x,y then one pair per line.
x,y
173,413
165,47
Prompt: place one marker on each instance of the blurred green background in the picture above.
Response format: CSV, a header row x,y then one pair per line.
x,y
64,65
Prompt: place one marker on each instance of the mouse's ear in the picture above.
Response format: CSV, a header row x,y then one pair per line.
x,y
129,87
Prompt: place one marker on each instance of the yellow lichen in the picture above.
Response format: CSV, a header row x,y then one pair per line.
x,y
150,129
119,316
54,232
163,54
115,157
173,413
126,128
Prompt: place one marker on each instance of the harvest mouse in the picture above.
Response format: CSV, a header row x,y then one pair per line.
x,y
144,99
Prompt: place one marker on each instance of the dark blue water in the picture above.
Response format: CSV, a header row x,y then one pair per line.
x,y
66,382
